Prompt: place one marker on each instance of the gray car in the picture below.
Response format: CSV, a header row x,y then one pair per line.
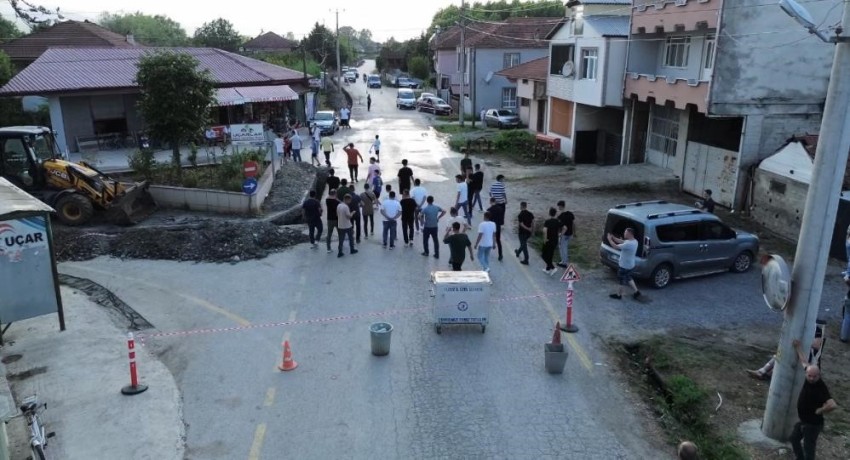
x,y
326,121
501,118
677,241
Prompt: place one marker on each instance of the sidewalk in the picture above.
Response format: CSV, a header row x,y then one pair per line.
x,y
79,374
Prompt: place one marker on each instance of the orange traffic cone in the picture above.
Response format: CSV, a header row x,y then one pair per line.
x,y
288,363
556,337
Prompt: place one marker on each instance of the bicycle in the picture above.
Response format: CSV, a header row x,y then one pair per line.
x,y
30,407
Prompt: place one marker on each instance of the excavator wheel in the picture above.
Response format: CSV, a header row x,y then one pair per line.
x,y
74,209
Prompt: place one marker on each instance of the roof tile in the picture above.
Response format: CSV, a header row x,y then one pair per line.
x,y
536,69
511,33
269,40
64,34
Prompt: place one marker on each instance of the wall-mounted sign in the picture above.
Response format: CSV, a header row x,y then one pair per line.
x,y
246,134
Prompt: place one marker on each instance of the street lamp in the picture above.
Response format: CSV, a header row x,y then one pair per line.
x,y
816,229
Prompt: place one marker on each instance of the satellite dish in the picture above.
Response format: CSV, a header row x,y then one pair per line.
x,y
775,282
569,69
798,12
488,77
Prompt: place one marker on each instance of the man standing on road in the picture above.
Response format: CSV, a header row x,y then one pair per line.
x,y
278,147
311,209
345,117
391,210
297,144
465,164
497,215
484,243
368,100
566,218
628,247
476,185
317,136
368,200
331,204
458,245
327,148
431,215
343,189
551,230
377,183
354,159
453,217
373,166
498,191
525,220
419,195
332,181
462,198
405,176
354,205
376,147
408,213
343,212
813,402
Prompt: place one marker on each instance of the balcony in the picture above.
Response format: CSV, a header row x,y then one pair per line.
x,y
678,91
665,16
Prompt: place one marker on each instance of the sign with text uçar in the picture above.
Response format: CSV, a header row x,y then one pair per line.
x,y
247,133
26,269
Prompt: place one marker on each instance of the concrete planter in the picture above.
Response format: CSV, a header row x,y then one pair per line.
x,y
555,356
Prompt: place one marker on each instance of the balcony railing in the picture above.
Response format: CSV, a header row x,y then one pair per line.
x,y
678,91
677,16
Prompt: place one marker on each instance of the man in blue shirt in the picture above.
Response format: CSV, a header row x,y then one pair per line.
x,y
431,215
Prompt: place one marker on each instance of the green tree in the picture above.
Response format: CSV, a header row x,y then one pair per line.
x,y
220,34
321,44
149,30
418,67
497,11
294,61
176,97
8,30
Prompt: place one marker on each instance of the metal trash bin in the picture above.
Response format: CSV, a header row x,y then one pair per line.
x,y
381,334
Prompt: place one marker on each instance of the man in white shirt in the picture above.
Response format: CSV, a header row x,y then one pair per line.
x,y
278,146
462,198
391,210
317,137
376,147
373,166
345,117
296,145
419,194
344,225
484,243
628,247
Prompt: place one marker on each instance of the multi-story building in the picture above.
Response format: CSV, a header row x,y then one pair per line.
x,y
714,86
587,60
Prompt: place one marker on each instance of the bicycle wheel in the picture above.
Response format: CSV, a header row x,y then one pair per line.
x,y
38,453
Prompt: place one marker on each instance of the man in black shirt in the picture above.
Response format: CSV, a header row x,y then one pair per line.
x,y
405,177
525,219
408,214
311,209
331,203
566,218
332,181
465,164
813,402
497,215
552,229
475,187
707,202
354,206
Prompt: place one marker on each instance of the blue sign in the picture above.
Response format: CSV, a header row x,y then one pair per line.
x,y
249,186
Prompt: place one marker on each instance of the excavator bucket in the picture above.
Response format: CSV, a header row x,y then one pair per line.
x,y
133,206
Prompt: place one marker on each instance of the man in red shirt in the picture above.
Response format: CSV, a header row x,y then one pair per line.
x,y
353,163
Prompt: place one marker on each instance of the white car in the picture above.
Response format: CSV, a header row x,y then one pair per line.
x,y
405,99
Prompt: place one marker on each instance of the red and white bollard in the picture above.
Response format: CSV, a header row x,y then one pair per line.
x,y
569,326
134,387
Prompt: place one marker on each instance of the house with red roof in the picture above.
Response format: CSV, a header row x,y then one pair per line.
x,y
92,92
268,42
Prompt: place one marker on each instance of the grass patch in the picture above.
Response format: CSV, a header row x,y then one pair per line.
x,y
456,129
584,252
226,175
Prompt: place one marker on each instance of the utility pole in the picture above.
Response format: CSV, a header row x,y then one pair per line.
x,y
461,104
306,78
338,65
812,253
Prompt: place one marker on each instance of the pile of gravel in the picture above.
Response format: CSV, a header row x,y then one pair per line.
x,y
210,241
290,184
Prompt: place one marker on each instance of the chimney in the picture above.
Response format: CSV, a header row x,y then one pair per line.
x,y
131,40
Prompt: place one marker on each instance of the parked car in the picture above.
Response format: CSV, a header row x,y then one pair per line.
x,y
351,76
422,97
434,105
501,118
374,81
405,99
327,122
677,241
404,82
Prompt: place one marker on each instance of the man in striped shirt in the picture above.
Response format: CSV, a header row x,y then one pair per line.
x,y
497,191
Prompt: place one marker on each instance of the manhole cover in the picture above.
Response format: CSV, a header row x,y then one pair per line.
x,y
11,359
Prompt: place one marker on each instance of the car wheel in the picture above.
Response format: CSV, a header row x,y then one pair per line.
x,y
743,262
661,276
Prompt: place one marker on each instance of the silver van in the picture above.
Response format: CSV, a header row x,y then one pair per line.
x,y
406,99
677,241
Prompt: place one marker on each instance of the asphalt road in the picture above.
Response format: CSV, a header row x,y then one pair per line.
x,y
461,394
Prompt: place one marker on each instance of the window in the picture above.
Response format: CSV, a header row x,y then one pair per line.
x,y
589,57
510,60
509,98
682,232
708,61
676,50
561,54
664,132
712,230
525,102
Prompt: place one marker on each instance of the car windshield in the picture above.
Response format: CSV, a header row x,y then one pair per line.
x,y
406,95
505,113
374,77
440,102
324,116
44,147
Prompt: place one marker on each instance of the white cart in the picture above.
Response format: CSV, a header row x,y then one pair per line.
x,y
461,298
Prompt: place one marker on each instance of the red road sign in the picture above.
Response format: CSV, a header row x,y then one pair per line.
x,y
570,274
250,168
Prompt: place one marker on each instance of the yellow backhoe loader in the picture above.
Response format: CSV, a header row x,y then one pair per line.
x,y
30,159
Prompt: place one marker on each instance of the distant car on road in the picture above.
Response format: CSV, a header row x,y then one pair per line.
x,y
404,82
326,121
351,76
405,99
434,105
501,118
374,81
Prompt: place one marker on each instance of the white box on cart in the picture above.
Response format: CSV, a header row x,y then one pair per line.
x,y
461,298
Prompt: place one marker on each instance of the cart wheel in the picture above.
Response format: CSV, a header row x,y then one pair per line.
x,y
483,328
439,329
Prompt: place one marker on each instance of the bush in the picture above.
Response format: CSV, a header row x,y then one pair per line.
x,y
513,139
143,162
229,172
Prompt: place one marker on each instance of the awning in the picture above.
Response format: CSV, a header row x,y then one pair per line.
x,y
243,95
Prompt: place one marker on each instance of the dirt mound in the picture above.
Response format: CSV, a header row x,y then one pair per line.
x,y
223,241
